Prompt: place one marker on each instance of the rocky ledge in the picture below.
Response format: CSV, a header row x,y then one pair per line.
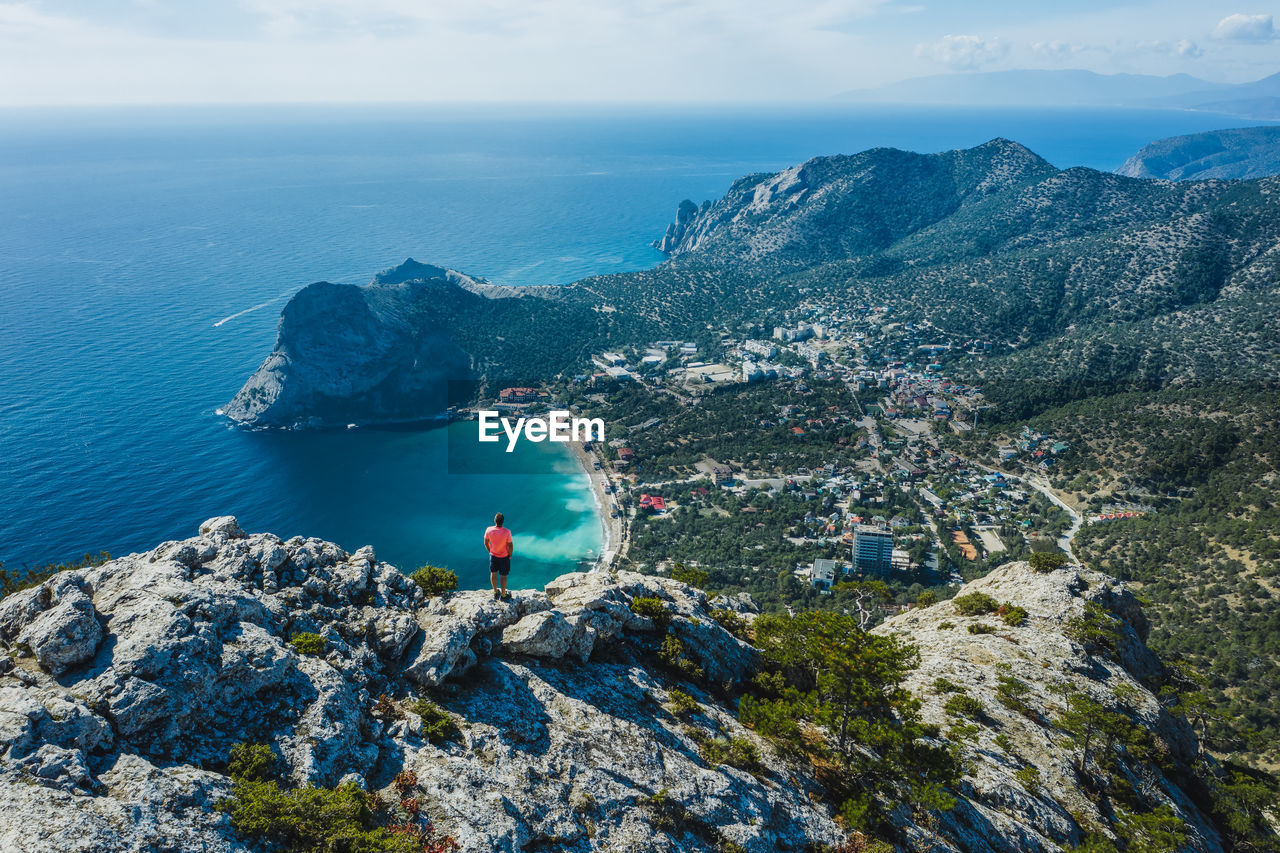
x,y
125,686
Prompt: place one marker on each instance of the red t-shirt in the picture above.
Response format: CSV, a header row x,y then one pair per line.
x,y
498,541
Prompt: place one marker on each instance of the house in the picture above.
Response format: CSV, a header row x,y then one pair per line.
x,y
722,475
823,574
519,395
652,503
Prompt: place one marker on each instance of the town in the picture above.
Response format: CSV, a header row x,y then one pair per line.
x,y
791,459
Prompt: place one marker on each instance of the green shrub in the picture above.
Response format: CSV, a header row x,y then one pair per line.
x,y
946,685
307,643
1029,777
671,653
732,622
1012,693
1047,561
320,820
981,628
665,813
253,761
681,703
963,705
652,607
1012,614
691,576
948,624
13,581
1096,630
926,598
974,604
435,580
437,725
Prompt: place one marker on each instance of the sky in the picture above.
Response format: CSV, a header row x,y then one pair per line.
x,y
107,52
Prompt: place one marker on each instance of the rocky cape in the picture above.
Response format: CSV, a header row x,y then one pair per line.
x,y
1242,152
126,684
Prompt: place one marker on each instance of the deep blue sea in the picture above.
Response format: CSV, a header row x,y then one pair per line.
x,y
145,255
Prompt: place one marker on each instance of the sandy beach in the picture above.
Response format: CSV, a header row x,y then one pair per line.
x,y
614,542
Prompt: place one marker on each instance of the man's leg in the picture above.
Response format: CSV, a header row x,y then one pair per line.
x,y
493,580
504,584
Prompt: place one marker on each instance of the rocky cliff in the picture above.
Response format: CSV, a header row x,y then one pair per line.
x,y
1027,786
126,685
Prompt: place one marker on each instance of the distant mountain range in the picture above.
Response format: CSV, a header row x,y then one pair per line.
x,y
1242,152
1259,100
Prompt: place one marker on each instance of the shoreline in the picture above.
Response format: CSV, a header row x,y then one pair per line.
x,y
614,541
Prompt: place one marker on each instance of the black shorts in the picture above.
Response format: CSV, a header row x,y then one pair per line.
x,y
501,565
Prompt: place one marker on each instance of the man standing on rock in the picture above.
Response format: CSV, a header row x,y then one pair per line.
x,y
498,542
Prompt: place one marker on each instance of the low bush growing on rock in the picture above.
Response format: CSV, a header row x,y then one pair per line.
x,y
682,704
1012,614
948,624
12,581
963,705
981,628
666,813
927,598
672,655
437,725
946,685
253,761
652,607
1029,777
689,575
736,752
1097,630
387,709
974,604
1012,693
314,819
435,580
733,623
1047,561
307,643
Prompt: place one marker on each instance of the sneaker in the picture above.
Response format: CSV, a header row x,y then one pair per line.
x,y
496,595
506,596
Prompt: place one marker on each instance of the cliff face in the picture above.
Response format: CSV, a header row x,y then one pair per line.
x,y
126,685
132,680
384,352
1027,786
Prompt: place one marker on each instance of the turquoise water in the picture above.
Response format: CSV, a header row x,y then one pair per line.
x,y
145,256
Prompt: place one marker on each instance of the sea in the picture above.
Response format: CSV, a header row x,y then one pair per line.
x,y
146,253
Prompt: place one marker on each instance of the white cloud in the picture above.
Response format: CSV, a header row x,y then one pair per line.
x,y
1245,28
962,52
1057,49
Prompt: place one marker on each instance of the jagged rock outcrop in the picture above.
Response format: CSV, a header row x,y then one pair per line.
x,y
999,811
114,735
673,238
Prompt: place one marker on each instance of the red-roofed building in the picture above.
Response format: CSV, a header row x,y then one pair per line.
x,y
652,503
519,395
